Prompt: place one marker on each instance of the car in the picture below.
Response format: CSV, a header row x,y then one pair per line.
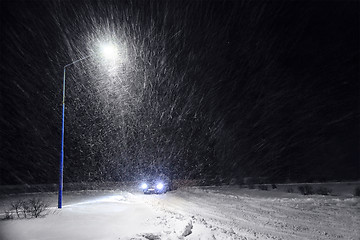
x,y
154,187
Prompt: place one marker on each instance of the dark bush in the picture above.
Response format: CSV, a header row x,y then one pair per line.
x,y
357,192
273,186
17,207
306,189
9,214
25,208
263,187
34,207
251,186
37,207
323,191
290,190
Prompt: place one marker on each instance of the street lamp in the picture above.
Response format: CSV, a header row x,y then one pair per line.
x,y
108,51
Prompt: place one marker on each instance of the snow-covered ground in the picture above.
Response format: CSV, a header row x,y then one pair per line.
x,y
226,212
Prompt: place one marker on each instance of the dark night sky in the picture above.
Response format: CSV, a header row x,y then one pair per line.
x,y
210,89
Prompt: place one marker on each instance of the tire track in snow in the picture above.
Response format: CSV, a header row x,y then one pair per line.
x,y
230,216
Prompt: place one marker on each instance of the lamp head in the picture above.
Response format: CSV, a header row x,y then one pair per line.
x,y
109,51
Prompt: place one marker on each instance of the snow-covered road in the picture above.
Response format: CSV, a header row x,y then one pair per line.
x,y
190,213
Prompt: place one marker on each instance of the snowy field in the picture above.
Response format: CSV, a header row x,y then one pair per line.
x,y
226,212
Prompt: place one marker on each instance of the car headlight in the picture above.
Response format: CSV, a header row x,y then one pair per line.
x,y
159,186
144,186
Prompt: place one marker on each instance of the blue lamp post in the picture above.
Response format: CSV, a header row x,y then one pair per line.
x,y
109,51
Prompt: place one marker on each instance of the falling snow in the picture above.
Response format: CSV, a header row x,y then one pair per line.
x,y
199,90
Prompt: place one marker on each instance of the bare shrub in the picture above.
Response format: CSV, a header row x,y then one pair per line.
x,y
306,189
34,207
17,207
9,215
273,186
37,207
25,208
290,190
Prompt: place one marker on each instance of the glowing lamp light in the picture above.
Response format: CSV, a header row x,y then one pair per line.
x,y
144,186
109,51
160,186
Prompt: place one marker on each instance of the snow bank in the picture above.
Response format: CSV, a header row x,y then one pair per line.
x,y
226,212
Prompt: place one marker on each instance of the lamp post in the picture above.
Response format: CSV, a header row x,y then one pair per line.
x,y
108,51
